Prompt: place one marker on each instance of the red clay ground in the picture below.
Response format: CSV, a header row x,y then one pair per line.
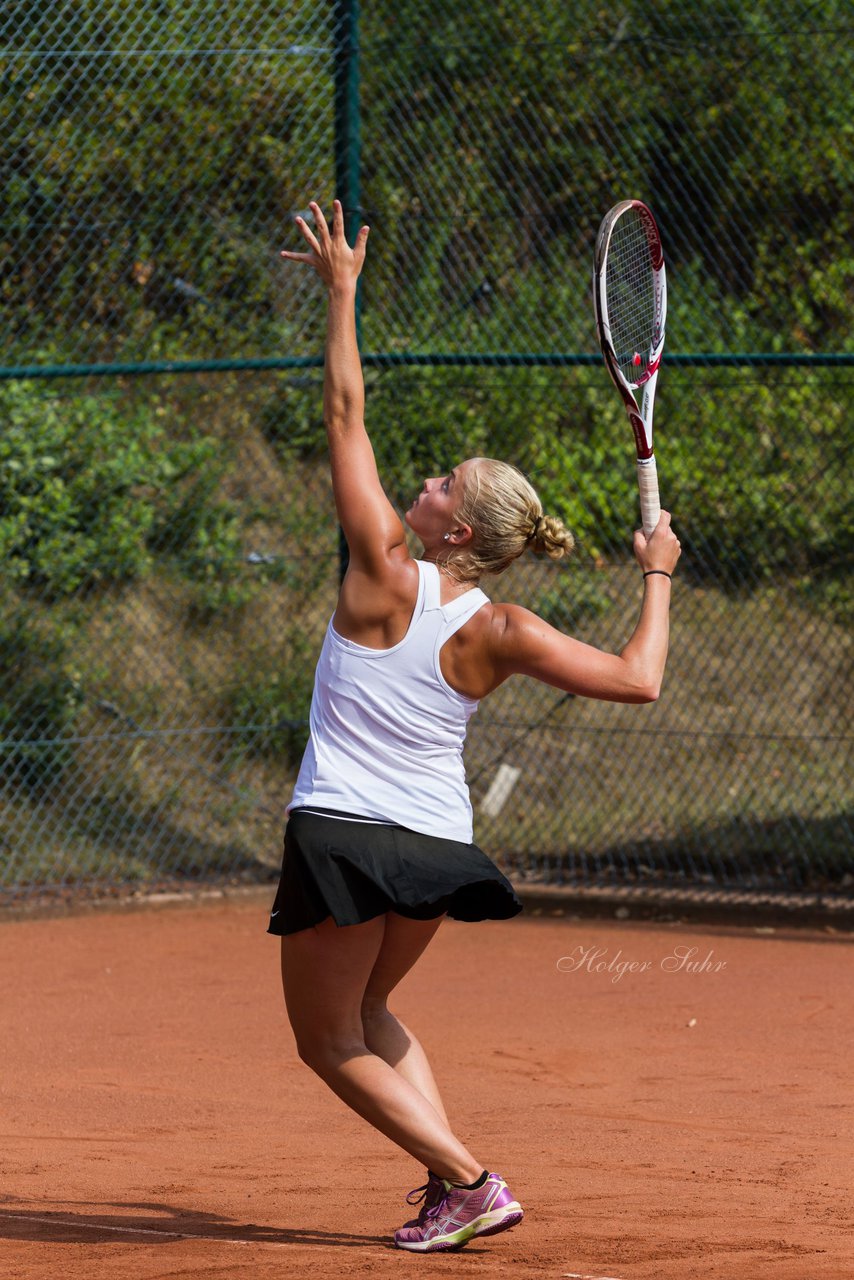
x,y
665,1126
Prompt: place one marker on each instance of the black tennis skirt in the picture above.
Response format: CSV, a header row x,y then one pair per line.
x,y
354,871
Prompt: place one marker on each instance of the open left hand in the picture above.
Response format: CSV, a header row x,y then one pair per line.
x,y
329,253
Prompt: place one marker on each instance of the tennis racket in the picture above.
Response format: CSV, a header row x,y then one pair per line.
x,y
630,303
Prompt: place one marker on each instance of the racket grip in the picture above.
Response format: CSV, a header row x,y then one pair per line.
x,y
648,485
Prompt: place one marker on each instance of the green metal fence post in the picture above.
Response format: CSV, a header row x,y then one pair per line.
x,y
345,16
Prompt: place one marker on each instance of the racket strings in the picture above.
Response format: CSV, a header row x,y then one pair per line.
x,y
630,288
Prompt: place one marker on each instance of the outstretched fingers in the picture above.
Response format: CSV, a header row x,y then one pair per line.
x,y
311,241
360,246
330,254
308,235
320,222
337,220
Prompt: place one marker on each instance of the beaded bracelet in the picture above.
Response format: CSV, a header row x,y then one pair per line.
x,y
663,573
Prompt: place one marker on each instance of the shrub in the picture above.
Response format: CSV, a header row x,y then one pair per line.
x,y
40,696
72,509
93,489
271,707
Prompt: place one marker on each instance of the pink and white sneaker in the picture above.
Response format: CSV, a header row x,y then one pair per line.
x,y
461,1216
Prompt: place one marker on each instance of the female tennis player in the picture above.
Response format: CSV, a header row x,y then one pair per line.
x,y
378,844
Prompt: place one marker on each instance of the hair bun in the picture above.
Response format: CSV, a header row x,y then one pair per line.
x,y
550,537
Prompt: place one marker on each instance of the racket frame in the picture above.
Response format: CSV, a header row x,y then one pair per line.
x,y
640,414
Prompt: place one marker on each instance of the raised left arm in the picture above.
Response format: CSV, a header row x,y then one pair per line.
x,y
373,530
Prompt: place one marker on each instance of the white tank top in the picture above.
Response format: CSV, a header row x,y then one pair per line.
x,y
387,730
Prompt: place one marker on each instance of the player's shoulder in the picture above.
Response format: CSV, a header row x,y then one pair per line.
x,y
509,616
511,623
377,590
500,640
521,639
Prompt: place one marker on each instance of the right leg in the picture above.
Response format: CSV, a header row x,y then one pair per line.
x,y
325,970
386,1035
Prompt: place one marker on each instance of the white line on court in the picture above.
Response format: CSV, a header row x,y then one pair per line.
x,y
186,1235
143,1231
579,1275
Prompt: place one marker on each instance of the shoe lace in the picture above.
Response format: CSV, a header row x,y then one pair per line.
x,y
418,1197
437,1208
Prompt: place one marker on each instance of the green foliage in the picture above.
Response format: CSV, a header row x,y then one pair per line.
x,y
553,116
151,155
129,178
292,418
272,704
201,535
75,482
145,194
419,430
550,116
551,113
753,466
94,491
40,696
577,600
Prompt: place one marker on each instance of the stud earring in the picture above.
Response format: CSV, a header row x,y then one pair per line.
x,y
447,537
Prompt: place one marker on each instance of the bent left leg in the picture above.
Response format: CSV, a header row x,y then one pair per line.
x,y
385,1034
325,971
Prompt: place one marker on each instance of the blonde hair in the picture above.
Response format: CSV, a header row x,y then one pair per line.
x,y
506,518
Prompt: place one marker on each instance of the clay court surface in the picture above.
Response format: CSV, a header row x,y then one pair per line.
x,y
156,1121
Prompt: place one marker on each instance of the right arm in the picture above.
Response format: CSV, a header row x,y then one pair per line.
x,y
526,645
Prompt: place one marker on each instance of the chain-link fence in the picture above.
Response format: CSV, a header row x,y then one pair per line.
x,y
169,551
